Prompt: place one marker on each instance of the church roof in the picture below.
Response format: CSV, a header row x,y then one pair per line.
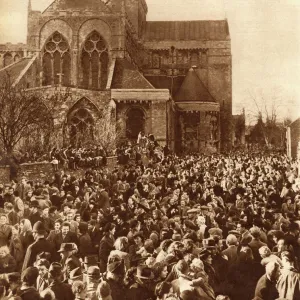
x,y
193,89
127,76
94,5
13,71
186,30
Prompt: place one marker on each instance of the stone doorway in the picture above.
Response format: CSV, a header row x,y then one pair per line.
x,y
135,122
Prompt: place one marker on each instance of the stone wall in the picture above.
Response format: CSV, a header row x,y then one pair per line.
x,y
44,171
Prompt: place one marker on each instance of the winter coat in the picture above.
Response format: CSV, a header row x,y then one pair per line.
x,y
85,245
29,293
266,289
62,291
40,245
288,284
106,245
16,249
26,239
140,292
103,200
5,235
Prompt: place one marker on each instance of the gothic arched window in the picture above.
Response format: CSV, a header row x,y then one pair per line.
x,y
94,62
81,127
56,61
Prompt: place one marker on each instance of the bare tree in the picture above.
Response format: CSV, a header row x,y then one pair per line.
x,y
266,112
23,113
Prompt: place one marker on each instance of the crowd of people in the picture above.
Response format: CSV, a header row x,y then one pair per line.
x,y
198,227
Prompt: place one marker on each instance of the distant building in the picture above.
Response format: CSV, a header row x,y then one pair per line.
x,y
293,139
171,79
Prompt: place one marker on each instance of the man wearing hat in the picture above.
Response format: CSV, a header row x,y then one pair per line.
x,y
114,277
61,290
141,289
40,245
67,252
34,212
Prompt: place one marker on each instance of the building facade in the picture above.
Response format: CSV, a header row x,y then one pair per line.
x,y
293,140
169,79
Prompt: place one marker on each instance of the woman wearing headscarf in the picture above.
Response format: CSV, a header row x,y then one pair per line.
x,y
26,236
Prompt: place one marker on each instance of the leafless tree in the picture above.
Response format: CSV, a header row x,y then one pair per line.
x,y
26,113
266,111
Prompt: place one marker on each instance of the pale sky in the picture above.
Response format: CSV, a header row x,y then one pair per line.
x,y
265,37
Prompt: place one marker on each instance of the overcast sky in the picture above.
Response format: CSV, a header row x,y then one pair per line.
x,y
265,38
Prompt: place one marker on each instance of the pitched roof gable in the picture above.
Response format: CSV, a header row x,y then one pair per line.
x,y
193,89
127,76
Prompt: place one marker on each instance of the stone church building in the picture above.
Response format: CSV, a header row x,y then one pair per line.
x,y
172,79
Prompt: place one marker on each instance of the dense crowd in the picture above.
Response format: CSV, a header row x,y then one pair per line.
x,y
155,228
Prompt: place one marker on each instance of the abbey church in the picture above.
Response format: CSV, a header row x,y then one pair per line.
x,y
172,79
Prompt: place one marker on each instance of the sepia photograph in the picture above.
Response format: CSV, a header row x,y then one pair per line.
x,y
150,149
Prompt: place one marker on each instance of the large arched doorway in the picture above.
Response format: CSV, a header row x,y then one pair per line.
x,y
135,122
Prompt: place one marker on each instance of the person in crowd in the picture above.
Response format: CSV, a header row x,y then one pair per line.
x,y
62,291
93,278
40,245
7,261
106,245
266,285
5,230
79,290
16,248
42,281
26,235
28,290
288,284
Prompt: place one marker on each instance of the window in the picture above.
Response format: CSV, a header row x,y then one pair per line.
x,y
81,127
94,62
56,61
